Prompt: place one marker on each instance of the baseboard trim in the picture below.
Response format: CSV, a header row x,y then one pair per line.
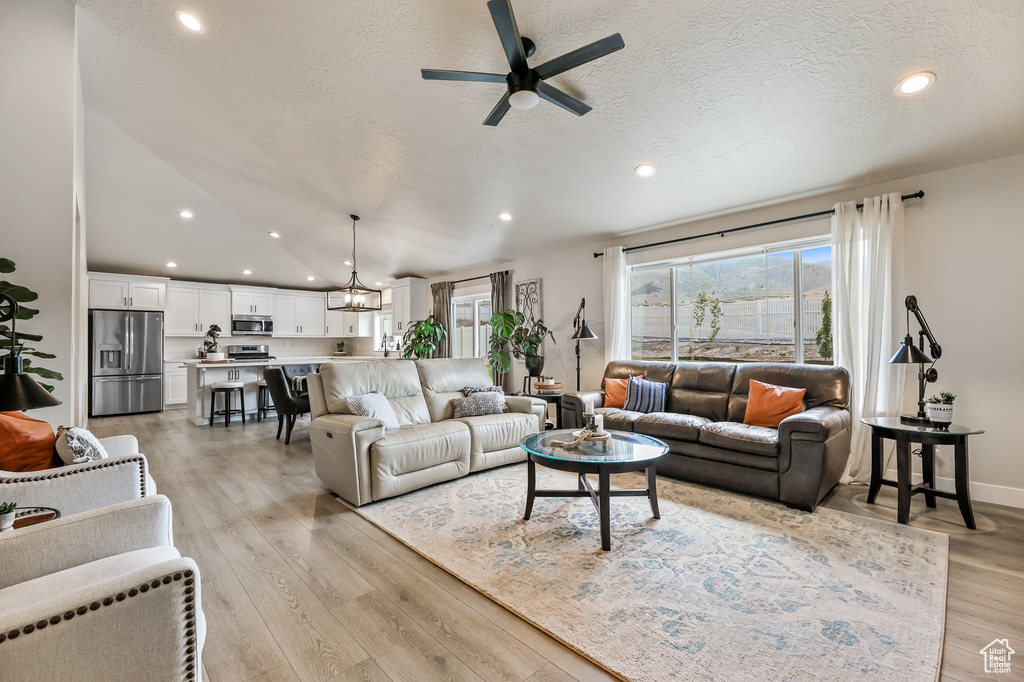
x,y
980,492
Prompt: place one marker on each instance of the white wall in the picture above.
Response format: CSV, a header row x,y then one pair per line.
x,y
964,245
37,110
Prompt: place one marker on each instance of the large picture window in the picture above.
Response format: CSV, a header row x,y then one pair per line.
x,y
471,326
760,305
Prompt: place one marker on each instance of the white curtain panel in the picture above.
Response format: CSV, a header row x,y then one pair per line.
x,y
616,305
867,282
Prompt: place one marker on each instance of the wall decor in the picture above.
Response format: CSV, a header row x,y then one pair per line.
x,y
528,298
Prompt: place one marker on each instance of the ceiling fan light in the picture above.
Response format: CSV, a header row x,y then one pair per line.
x,y
524,99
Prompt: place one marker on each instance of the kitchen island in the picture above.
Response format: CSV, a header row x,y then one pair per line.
x,y
201,374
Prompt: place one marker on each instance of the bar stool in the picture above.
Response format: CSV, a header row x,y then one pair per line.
x,y
264,402
228,388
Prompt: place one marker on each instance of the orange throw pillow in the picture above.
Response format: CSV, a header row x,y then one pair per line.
x,y
768,405
615,392
26,444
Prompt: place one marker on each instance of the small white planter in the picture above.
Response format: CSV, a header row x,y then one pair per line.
x,y
940,414
214,357
6,521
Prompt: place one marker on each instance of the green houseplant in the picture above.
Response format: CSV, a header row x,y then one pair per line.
x,y
940,408
824,336
341,348
514,336
422,338
7,510
212,347
24,295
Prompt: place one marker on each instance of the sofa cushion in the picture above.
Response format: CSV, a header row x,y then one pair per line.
x,y
645,396
826,385
478,404
498,431
615,392
757,440
446,378
618,420
768,404
652,371
416,447
26,444
398,380
670,425
374,405
701,389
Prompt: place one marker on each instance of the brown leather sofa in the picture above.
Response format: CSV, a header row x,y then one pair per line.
x,y
798,463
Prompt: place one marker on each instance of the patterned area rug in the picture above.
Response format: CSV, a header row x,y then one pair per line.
x,y
722,587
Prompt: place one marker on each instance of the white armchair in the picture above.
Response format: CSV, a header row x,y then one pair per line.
x,y
80,487
101,595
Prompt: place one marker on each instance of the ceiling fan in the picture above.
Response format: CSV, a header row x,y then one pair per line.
x,y
526,86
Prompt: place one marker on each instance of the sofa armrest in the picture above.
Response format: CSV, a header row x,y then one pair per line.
x,y
572,407
79,487
120,446
69,541
822,422
341,453
528,405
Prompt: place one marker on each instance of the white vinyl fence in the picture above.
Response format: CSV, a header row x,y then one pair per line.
x,y
741,321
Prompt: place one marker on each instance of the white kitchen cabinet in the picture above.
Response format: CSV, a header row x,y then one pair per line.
x,y
334,324
286,315
126,294
175,384
299,315
344,325
215,308
245,302
408,302
181,316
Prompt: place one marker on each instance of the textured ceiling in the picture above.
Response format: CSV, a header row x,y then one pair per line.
x,y
288,116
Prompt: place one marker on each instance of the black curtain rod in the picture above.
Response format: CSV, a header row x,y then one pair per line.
x,y
470,279
721,233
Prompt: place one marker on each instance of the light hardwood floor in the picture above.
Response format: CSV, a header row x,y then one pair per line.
x,y
297,586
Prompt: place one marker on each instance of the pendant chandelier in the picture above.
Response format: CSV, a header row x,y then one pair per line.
x,y
354,296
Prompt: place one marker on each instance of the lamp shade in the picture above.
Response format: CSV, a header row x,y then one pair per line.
x,y
19,391
584,332
909,354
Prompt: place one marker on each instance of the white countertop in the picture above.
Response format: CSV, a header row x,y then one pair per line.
x,y
300,360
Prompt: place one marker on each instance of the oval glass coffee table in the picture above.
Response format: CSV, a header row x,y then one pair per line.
x,y
623,453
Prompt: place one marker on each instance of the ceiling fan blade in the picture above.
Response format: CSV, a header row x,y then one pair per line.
x,y
498,112
442,75
587,53
508,32
556,96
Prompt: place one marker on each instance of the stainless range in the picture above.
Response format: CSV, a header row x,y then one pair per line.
x,y
253,352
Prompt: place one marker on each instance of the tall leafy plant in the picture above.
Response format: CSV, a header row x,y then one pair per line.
x,y
24,295
703,303
824,336
515,336
422,338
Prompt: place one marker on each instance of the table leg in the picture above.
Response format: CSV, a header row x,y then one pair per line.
x,y
928,470
652,491
579,482
903,477
606,530
558,413
531,486
963,483
876,467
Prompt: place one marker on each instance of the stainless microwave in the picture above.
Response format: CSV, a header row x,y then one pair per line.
x,y
252,325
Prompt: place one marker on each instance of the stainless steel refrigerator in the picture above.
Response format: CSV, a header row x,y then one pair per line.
x,y
126,355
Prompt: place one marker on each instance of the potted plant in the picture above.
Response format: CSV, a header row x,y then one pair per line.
x,y
341,348
512,335
7,510
421,338
940,408
212,347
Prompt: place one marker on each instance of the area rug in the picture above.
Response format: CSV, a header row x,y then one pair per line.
x,y
722,587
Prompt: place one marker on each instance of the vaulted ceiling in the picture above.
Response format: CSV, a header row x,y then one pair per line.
x,y
288,116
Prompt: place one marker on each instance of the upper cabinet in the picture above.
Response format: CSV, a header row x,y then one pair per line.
x,y
408,302
251,302
191,310
299,314
117,292
343,325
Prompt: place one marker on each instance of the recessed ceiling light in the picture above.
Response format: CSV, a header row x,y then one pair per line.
x,y
310,278
189,21
246,272
645,170
275,235
505,216
915,83
347,262
185,214
172,264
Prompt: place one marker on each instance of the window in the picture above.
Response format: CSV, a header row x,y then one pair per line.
x,y
471,326
739,306
382,332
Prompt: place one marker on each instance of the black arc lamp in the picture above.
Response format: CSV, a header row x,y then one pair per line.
x,y
910,354
581,330
354,296
18,391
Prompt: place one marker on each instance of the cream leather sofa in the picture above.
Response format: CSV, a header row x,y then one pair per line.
x,y
361,462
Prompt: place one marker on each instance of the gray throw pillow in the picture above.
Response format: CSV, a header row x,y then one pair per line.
x,y
76,445
374,405
470,390
477,404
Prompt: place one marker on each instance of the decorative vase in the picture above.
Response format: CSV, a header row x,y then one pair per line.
x,y
6,521
535,365
940,414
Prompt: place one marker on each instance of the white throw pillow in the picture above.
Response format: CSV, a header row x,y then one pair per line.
x,y
76,445
374,405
